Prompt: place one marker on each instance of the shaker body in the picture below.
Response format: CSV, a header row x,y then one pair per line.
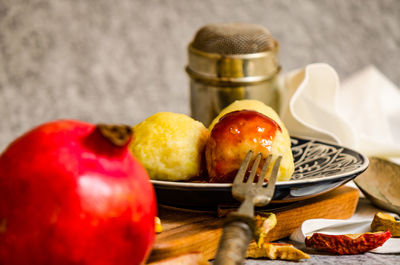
x,y
228,62
208,99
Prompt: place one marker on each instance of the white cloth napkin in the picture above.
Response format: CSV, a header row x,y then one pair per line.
x,y
362,113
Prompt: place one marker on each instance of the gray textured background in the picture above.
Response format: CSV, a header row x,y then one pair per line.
x,y
123,60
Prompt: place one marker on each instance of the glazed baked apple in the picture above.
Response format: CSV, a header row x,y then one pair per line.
x,y
235,134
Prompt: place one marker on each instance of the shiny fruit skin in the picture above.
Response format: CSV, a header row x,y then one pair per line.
x,y
69,196
232,137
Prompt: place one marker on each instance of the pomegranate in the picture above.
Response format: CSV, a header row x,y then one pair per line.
x,y
72,193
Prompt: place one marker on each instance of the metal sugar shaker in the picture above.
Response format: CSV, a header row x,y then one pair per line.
x,y
229,62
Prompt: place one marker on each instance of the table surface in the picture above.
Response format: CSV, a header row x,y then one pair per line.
x,y
367,258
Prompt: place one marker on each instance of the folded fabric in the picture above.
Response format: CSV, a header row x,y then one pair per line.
x,y
361,113
359,223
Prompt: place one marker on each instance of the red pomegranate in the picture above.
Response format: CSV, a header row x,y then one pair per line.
x,y
72,193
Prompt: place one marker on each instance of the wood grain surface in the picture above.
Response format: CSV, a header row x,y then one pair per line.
x,y
187,231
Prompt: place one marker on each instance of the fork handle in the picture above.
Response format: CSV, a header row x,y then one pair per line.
x,y
235,239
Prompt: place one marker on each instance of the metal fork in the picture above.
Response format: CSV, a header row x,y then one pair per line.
x,y
240,226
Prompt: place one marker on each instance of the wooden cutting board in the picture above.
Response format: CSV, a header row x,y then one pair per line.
x,y
188,231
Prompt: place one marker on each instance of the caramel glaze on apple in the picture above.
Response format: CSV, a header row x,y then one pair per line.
x,y
232,137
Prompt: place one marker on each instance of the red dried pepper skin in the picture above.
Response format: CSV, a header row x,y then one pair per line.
x,y
347,244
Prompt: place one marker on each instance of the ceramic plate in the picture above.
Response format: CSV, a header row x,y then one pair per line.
x,y
319,168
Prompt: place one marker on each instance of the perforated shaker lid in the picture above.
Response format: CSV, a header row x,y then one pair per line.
x,y
234,52
233,38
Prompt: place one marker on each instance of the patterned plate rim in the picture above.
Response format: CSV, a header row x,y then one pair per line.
x,y
362,167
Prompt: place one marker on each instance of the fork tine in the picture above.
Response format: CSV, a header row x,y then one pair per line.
x,y
243,167
254,168
272,179
264,171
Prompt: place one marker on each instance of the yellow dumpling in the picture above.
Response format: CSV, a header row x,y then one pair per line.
x,y
281,144
170,145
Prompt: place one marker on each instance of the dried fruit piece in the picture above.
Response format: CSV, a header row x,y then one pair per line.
x,y
383,222
265,222
158,225
347,244
193,258
275,251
